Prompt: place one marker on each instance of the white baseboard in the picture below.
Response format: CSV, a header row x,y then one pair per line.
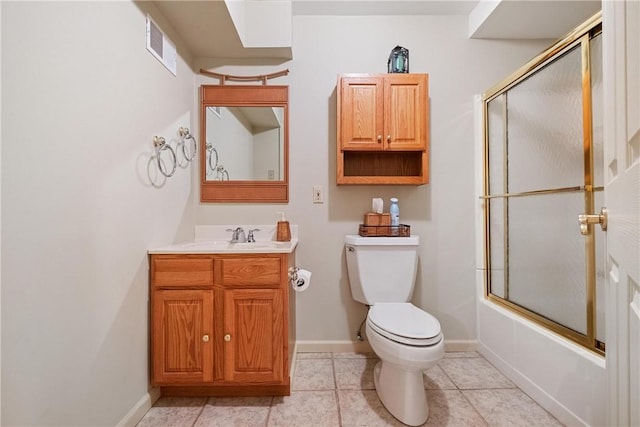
x,y
139,409
364,347
333,347
460,345
292,362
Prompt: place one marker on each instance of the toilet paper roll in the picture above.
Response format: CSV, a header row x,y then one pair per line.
x,y
377,205
302,281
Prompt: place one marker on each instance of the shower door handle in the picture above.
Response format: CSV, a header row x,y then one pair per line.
x,y
584,220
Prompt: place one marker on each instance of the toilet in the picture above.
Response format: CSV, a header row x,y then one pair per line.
x,y
407,339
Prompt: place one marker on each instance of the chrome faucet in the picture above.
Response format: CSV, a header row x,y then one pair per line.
x,y
238,235
250,238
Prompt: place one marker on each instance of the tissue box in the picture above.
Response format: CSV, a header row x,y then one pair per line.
x,y
371,218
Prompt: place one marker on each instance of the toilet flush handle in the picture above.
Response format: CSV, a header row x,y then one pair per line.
x,y
350,248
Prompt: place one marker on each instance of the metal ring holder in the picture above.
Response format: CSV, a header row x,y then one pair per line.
x,y
221,172
210,152
186,135
161,145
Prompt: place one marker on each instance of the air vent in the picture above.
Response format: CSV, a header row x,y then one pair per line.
x,y
160,46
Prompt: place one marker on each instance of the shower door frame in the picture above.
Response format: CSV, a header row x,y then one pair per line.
x,y
580,36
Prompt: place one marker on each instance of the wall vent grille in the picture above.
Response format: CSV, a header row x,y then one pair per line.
x,y
159,45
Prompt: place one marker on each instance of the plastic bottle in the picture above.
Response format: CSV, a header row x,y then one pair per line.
x,y
394,210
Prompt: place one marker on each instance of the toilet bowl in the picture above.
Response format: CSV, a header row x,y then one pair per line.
x,y
408,341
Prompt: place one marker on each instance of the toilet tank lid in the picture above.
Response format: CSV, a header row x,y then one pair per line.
x,y
356,240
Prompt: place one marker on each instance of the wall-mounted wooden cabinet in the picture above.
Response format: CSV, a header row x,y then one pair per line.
x,y
382,129
220,324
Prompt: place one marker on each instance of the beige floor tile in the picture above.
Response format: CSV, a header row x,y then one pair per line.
x,y
450,408
235,411
463,390
474,373
362,408
305,409
355,374
509,407
173,411
313,374
435,378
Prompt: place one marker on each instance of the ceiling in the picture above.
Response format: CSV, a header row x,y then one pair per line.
x,y
207,29
538,19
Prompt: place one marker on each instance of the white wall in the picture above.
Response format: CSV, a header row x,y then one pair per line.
x,y
230,134
81,102
0,227
441,213
267,153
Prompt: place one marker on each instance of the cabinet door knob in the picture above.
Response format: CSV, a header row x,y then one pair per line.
x,y
389,138
205,338
379,139
227,337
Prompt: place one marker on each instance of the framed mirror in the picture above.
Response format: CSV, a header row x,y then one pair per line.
x,y
244,144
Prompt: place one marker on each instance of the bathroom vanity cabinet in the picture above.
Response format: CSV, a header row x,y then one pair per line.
x,y
220,324
382,129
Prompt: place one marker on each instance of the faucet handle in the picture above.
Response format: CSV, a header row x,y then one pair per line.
x,y
238,234
250,237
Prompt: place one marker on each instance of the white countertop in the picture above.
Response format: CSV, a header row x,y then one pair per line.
x,y
215,239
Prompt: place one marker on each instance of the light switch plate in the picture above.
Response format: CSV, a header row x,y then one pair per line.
x,y
318,194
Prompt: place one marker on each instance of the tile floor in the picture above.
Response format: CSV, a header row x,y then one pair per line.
x,y
336,390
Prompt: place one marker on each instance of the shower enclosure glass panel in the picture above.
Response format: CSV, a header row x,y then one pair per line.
x,y
545,140
546,257
498,271
543,168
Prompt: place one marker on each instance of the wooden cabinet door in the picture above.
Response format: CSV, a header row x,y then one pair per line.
x,y
360,113
254,335
405,112
182,337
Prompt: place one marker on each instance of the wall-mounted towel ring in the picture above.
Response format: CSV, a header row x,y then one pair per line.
x,y
221,173
185,136
212,158
160,146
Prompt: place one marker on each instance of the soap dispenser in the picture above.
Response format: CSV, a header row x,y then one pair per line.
x,y
283,233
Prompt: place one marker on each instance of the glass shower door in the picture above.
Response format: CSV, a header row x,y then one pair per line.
x,y
539,176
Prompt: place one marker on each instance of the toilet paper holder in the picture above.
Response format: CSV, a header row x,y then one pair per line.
x,y
293,275
299,278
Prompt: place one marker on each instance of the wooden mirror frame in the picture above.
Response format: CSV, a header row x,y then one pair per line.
x,y
243,191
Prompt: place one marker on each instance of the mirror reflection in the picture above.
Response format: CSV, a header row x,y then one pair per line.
x,y
244,143
244,140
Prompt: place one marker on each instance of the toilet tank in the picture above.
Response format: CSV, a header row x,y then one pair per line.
x,y
381,269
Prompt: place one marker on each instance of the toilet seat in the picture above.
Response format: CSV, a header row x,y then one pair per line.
x,y
404,323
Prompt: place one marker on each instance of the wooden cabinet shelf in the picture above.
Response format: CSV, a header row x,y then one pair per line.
x,y
382,129
220,324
